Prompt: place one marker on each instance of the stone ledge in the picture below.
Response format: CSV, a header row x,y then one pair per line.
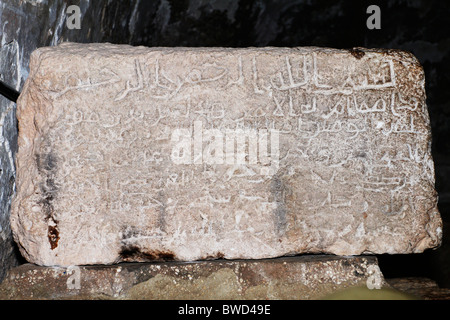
x,y
422,288
300,277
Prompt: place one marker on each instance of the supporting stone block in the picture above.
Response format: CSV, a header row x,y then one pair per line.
x,y
302,277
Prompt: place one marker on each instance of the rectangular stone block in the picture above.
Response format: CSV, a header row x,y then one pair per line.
x,y
136,154
306,277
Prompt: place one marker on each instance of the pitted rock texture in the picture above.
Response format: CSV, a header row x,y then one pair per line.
x,y
304,277
138,154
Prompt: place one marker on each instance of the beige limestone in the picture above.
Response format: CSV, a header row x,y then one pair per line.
x,y
136,154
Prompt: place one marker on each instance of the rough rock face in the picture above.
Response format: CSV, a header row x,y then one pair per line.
x,y
303,277
136,154
8,147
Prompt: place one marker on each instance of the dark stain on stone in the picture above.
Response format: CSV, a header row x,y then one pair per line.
x,y
11,190
53,236
280,212
48,190
359,273
218,255
47,206
47,165
162,210
346,263
134,253
357,53
129,232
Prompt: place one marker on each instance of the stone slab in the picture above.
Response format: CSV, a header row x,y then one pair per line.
x,y
138,154
303,277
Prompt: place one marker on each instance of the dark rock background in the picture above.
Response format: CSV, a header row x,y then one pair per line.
x,y
418,26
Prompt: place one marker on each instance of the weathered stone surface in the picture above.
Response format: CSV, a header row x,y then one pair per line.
x,y
305,277
26,25
134,154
